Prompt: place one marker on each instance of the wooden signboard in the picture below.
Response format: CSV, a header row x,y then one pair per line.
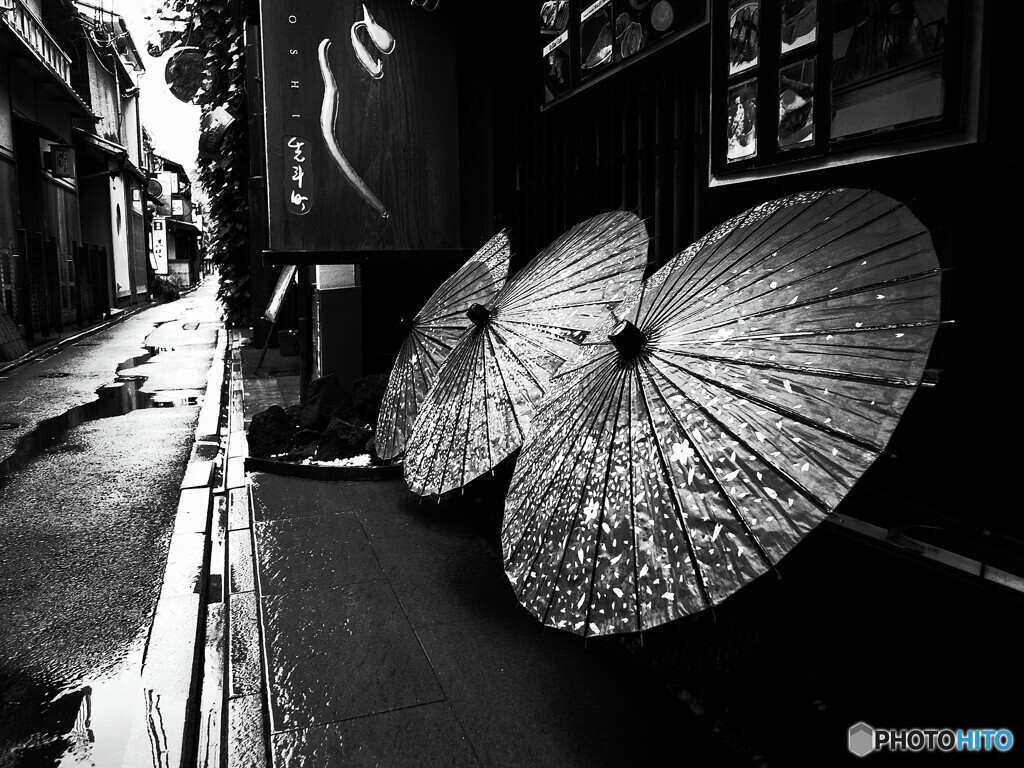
x,y
361,126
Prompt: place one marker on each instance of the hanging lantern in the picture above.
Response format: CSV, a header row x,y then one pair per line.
x,y
188,76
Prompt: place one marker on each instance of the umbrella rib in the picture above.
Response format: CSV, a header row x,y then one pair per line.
x,y
685,297
709,466
465,275
504,385
680,516
536,324
819,299
487,401
442,340
607,474
565,549
795,259
477,354
527,340
601,279
788,412
807,493
395,407
424,354
459,367
587,405
822,372
682,298
468,368
632,509
550,261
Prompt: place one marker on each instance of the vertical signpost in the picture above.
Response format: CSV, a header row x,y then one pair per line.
x,y
361,141
159,247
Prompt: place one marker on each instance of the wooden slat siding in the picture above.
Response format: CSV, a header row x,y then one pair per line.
x,y
79,284
680,160
37,271
54,283
25,287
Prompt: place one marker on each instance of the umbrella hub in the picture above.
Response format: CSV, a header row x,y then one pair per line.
x,y
478,314
627,339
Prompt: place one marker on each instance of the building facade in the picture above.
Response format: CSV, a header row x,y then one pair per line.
x,y
688,113
72,237
175,234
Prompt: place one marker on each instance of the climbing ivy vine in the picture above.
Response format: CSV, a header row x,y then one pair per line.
x,y
216,27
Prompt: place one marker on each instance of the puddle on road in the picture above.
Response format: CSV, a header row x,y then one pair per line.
x,y
99,720
117,399
108,718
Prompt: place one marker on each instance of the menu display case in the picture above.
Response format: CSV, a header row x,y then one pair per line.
x,y
837,79
584,41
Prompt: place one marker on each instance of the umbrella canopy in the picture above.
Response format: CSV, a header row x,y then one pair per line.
x,y
749,384
432,335
482,401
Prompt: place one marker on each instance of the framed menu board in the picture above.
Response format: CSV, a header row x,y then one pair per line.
x,y
584,41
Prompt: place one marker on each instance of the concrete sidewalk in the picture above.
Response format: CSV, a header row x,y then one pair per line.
x,y
370,629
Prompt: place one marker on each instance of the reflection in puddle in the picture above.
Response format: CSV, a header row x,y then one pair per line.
x,y
123,396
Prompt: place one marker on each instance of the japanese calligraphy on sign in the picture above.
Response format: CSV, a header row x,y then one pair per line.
x,y
297,154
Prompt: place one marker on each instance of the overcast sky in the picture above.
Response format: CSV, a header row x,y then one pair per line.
x,y
173,124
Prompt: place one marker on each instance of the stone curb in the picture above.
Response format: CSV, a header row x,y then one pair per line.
x,y
175,667
245,692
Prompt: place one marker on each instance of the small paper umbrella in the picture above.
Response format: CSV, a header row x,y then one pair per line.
x,y
432,334
482,401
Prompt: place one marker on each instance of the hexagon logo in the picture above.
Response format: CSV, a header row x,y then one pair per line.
x,y
861,739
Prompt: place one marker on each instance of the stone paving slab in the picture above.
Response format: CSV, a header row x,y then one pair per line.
x,y
339,653
243,639
275,497
386,508
441,578
240,562
314,552
530,697
426,736
246,745
238,508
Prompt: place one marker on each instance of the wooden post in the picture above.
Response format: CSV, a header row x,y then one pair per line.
x,y
305,329
25,287
76,263
51,257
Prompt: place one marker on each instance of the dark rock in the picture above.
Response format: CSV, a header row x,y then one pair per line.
x,y
325,399
270,432
302,452
294,411
367,394
305,437
341,440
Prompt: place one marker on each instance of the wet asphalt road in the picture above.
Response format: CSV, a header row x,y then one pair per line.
x,y
86,510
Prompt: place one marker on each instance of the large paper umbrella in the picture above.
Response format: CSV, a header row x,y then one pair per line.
x,y
432,334
749,384
483,399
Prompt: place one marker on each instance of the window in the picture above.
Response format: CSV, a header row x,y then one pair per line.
x,y
798,84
